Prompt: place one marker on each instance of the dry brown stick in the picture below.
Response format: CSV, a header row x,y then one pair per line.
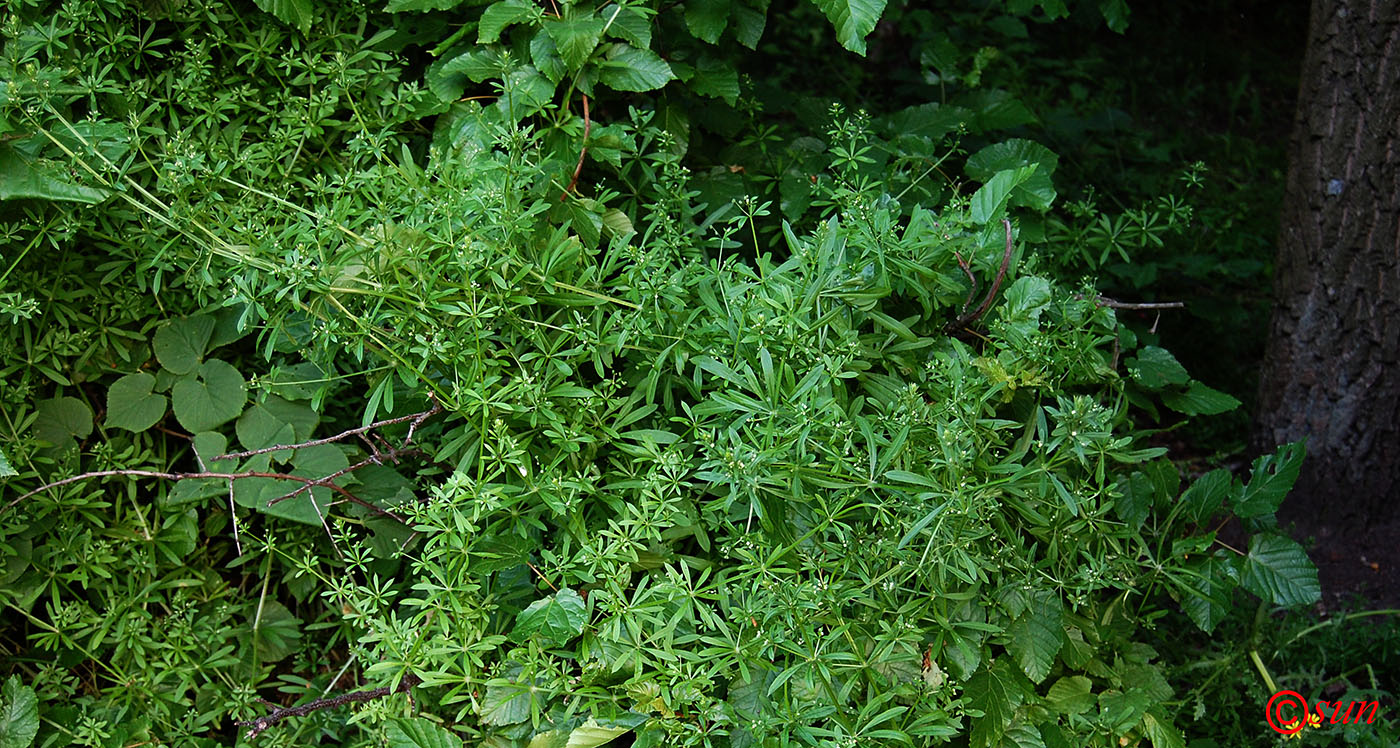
x,y
1146,305
258,724
416,420
376,459
308,483
967,319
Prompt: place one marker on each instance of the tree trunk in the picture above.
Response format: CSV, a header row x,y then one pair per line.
x,y
1332,369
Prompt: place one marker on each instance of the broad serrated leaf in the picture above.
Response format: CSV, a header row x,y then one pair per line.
x,y
131,403
1162,734
715,78
1120,710
447,84
1199,400
575,38
628,24
212,398
929,122
749,23
990,199
1026,299
995,109
21,178
1115,14
707,19
419,733
1155,368
422,6
307,507
617,224
524,92
1022,735
555,619
479,64
505,704
1270,480
1137,499
630,69
546,58
591,734
295,13
549,739
992,691
180,344
6,469
1279,571
1036,636
852,19
300,417
1205,497
1038,191
1071,694
498,16
1205,593
19,715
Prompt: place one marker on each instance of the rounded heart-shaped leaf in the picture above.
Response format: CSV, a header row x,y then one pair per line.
x,y
132,404
211,399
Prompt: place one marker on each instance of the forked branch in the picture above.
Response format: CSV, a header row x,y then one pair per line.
x,y
380,454
258,724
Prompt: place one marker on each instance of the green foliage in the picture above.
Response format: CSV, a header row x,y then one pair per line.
x,y
19,715
727,453
1350,656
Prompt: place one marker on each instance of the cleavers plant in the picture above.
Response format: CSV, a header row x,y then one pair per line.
x,y
859,479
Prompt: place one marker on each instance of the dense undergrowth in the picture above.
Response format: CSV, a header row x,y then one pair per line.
x,y
569,376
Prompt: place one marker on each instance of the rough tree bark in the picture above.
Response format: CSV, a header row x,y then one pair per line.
x,y
1332,369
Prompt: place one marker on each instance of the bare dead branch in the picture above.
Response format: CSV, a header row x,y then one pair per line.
x,y
307,483
257,725
415,420
378,456
1104,301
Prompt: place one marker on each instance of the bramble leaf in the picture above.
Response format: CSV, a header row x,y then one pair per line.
x,y
1199,400
555,619
853,19
1278,570
1271,478
295,13
19,715
630,69
419,733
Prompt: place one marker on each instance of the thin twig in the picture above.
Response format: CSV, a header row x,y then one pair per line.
x,y
307,483
967,319
416,418
1104,301
258,725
